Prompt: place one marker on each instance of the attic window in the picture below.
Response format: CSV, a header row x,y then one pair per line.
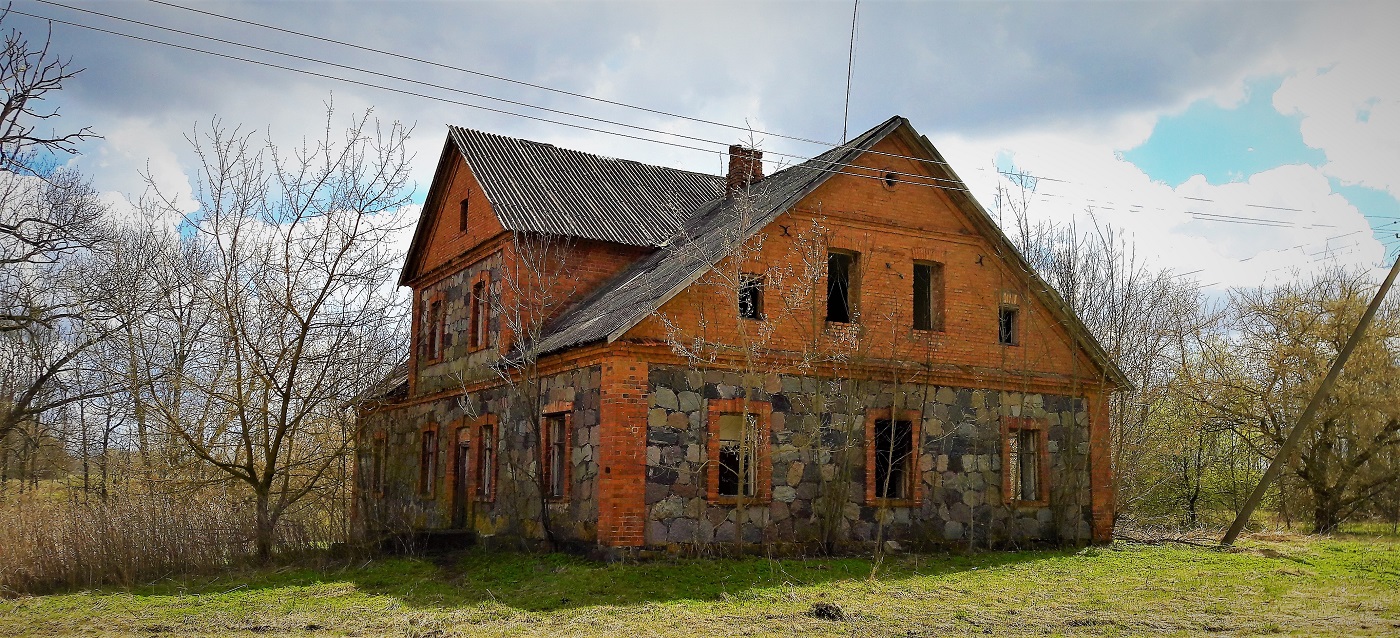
x,y
890,180
1007,326
751,296
462,219
839,280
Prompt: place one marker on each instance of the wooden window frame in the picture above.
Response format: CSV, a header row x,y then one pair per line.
x,y
564,409
763,480
852,286
479,312
751,282
487,426
1013,426
433,328
913,476
379,456
428,461
937,293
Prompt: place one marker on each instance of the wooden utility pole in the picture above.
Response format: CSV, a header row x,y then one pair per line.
x,y
1305,420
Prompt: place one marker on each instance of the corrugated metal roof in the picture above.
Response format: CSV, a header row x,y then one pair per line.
x,y
705,239
537,187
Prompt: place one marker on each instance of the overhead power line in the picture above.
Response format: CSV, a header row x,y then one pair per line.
x,y
588,97
889,177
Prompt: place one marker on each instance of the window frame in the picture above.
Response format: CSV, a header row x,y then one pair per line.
x,y
914,488
1014,426
1014,312
762,412
751,283
852,285
432,327
563,411
937,296
428,453
484,452
479,312
379,456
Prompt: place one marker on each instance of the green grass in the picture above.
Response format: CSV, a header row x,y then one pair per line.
x,y
1276,585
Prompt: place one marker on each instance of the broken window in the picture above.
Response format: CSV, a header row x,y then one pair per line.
x,y
427,464
485,463
1007,326
839,282
462,217
556,447
1025,462
738,457
751,296
928,296
894,452
481,316
379,456
432,329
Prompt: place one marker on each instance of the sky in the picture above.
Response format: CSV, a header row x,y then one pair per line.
x,y
1236,144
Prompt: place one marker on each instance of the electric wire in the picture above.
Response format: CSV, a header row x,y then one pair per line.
x,y
886,177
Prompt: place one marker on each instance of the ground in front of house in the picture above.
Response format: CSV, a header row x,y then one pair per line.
x,y
1346,585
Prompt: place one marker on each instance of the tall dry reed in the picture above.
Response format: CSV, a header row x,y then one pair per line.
x,y
50,542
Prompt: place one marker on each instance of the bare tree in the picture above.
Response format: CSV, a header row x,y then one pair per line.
x,y
27,75
286,306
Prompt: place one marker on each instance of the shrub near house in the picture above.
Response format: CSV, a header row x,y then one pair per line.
x,y
621,355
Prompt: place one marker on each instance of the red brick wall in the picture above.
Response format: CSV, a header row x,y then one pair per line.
x,y
622,483
890,228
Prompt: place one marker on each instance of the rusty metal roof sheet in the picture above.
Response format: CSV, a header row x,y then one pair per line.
x,y
537,187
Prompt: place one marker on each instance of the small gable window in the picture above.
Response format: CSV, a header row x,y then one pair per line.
x,y
840,280
1008,321
462,224
751,296
928,296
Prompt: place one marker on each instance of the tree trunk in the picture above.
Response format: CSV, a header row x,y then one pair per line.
x,y
263,534
1327,515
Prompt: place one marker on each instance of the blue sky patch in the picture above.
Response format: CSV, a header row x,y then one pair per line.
x,y
1380,207
1225,145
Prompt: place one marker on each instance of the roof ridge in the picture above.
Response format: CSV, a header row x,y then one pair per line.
x,y
574,150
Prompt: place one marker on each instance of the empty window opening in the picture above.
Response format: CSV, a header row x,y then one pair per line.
x,y
556,455
427,464
738,443
432,327
838,286
1023,465
751,296
928,296
380,457
480,315
485,463
894,452
1007,326
462,217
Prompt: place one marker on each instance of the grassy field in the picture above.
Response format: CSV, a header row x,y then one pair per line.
x,y
1347,585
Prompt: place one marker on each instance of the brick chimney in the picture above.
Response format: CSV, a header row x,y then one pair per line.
x,y
745,168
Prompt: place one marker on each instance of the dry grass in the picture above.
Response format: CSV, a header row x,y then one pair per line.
x,y
1290,585
52,539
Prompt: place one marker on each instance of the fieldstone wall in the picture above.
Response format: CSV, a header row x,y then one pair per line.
x,y
457,363
515,509
816,441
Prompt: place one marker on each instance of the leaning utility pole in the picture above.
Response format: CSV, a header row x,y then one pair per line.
x,y
1276,465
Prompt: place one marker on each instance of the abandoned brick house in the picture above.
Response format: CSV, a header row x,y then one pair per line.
x,y
846,350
